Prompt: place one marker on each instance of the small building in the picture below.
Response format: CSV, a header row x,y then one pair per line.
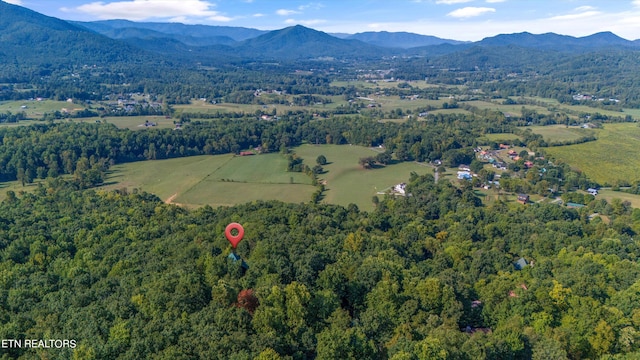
x,y
572,205
520,264
523,198
400,188
235,257
246,153
592,191
464,175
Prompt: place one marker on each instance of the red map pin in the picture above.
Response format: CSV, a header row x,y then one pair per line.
x,y
234,239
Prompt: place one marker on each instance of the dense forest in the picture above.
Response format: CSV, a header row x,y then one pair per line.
x,y
430,276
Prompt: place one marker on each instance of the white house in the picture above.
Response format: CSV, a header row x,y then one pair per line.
x,y
400,189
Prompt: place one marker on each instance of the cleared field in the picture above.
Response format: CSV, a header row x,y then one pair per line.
x,y
199,106
217,193
394,102
500,137
348,182
559,133
227,179
391,84
35,109
265,169
507,109
133,122
198,180
587,109
610,194
16,186
165,177
614,156
449,111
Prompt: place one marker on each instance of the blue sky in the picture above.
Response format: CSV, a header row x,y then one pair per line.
x,y
452,19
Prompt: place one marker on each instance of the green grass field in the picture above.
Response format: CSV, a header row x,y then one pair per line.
x,y
360,84
500,137
17,187
227,179
610,194
506,109
214,180
613,157
133,122
559,133
348,182
35,109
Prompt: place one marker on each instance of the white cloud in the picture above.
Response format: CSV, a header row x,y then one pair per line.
x,y
145,9
14,2
286,12
636,3
308,22
495,1
219,18
258,15
451,2
578,13
584,8
314,6
470,11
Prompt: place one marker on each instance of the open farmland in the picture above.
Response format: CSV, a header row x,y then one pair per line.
x,y
214,180
515,109
560,133
609,195
226,179
36,109
134,122
348,182
612,157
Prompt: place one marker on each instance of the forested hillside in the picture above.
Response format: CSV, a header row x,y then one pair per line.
x,y
430,276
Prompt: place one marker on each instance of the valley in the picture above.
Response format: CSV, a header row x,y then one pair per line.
x,y
401,196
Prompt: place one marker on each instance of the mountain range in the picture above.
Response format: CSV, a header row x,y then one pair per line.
x,y
27,36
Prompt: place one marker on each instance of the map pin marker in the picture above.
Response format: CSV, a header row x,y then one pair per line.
x,y
234,239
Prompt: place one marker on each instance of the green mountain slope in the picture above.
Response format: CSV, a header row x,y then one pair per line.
x,y
27,37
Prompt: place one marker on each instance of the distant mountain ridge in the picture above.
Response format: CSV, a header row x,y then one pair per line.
x,y
194,31
402,40
241,38
302,42
552,41
32,38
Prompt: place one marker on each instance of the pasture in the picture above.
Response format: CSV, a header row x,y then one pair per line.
x,y
347,182
222,180
35,109
506,109
214,180
133,122
612,157
609,195
500,137
560,133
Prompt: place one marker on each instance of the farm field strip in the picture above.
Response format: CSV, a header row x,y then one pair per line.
x,y
221,180
558,133
612,157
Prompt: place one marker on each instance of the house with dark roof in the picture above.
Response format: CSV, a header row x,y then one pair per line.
x,y
520,264
523,198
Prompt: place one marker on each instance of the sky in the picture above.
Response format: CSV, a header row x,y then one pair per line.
x,y
468,20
